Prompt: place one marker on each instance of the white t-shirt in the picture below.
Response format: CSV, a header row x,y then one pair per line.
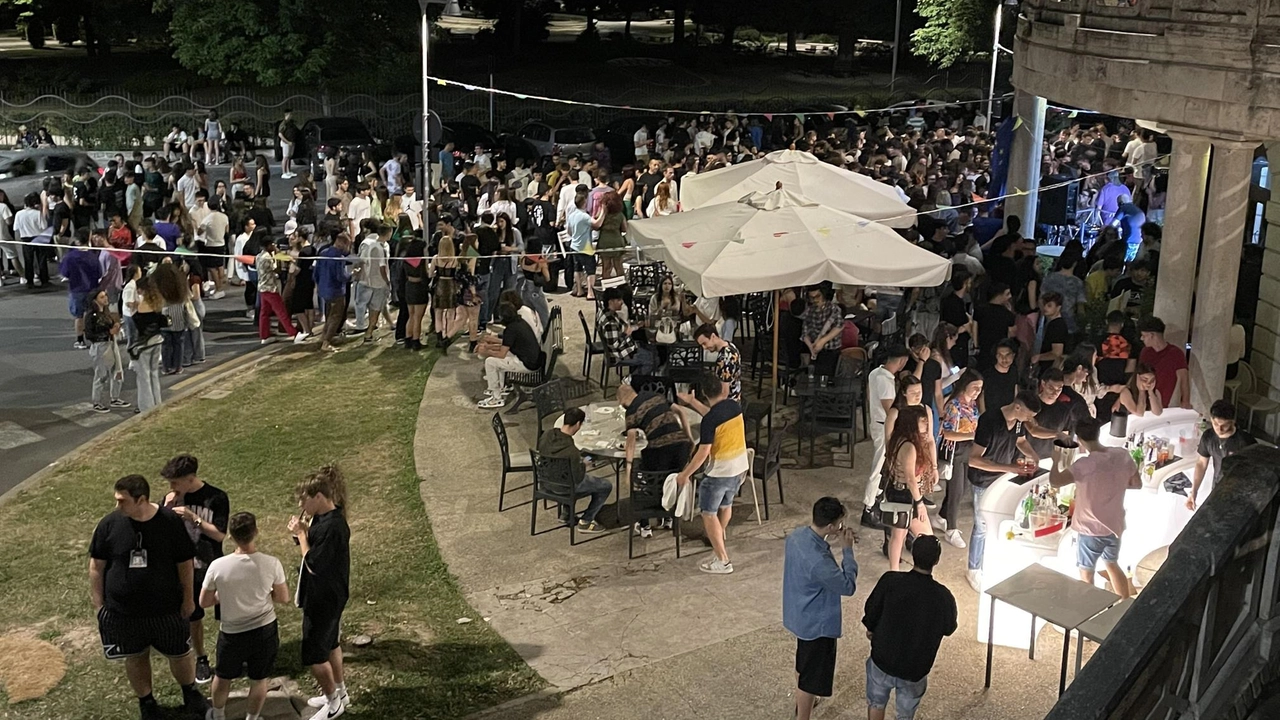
x,y
642,143
880,386
359,210
213,230
243,584
6,223
374,255
188,186
129,295
242,270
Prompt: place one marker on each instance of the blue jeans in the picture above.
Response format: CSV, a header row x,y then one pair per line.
x,y
641,362
906,694
977,538
500,278
599,489
171,350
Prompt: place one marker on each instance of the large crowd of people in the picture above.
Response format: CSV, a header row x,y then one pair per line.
x,y
966,381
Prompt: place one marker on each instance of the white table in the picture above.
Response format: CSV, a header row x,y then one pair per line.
x,y
1044,593
604,430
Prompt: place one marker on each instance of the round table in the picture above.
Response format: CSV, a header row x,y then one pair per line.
x,y
604,430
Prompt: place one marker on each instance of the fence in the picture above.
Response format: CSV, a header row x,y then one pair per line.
x,y
121,119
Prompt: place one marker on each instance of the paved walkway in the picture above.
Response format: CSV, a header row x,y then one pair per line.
x,y
654,637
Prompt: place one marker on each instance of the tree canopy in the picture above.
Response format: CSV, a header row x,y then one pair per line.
x,y
953,29
274,42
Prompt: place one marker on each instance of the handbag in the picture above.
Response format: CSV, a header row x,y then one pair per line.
x,y
665,333
946,458
191,316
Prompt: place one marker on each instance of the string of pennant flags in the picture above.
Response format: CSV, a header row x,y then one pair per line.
x,y
1017,192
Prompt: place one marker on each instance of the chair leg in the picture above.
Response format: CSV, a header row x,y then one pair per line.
x,y
781,499
631,544
764,487
533,517
675,530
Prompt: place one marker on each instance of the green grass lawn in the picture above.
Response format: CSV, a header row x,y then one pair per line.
x,y
357,408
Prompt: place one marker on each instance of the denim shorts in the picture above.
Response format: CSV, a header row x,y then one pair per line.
x,y
717,492
1092,548
906,694
78,302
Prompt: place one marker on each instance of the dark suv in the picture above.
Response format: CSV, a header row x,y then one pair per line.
x,y
323,137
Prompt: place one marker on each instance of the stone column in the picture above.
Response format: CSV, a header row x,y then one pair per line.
x,y
1224,223
1183,217
1025,158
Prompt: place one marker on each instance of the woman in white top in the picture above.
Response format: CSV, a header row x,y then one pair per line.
x,y
502,204
661,204
213,138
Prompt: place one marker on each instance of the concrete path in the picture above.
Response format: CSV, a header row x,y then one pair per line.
x,y
655,637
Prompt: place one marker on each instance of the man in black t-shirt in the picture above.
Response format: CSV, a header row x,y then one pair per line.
x,y
488,244
205,509
999,440
647,183
1001,381
1060,409
324,584
1053,333
519,353
953,309
1220,441
906,616
994,321
140,581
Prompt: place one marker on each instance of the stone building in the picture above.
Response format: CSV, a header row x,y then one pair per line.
x,y
1207,73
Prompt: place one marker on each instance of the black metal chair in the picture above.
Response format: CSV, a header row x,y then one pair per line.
x,y
685,362
646,503
591,347
504,445
830,410
643,276
553,482
768,465
549,399
656,384
553,331
760,414
539,376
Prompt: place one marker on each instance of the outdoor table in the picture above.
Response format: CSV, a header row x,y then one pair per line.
x,y
806,386
1100,626
604,431
1044,593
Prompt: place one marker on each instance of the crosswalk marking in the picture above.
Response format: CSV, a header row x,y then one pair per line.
x,y
13,435
83,415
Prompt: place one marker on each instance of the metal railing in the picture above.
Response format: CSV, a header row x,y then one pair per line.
x,y
1202,640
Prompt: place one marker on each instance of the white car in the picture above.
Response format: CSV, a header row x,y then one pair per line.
x,y
565,141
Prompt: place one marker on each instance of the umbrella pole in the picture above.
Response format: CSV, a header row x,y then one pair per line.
x,y
776,309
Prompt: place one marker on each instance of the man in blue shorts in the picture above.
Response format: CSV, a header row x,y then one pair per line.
x,y
723,447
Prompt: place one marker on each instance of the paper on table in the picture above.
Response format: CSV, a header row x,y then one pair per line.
x,y
590,433
606,410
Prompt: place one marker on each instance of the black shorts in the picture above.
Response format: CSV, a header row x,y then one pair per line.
x,y
124,637
220,259
319,636
252,651
816,665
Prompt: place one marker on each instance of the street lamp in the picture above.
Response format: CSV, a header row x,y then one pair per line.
x,y
897,31
996,49
426,110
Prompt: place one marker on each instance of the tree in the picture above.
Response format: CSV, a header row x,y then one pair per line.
x,y
953,29
273,42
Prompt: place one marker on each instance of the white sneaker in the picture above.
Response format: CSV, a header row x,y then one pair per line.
x,y
328,712
320,701
956,538
645,532
267,341
219,294
300,338
491,402
716,567
975,579
938,523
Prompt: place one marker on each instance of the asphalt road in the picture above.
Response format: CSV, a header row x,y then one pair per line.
x,y
45,383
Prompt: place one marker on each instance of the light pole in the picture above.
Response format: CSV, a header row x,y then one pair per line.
x,y
426,108
996,49
897,31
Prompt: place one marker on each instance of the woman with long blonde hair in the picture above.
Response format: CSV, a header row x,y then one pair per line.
x,y
444,272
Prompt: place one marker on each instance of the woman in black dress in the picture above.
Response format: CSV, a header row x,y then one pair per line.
x,y
301,284
416,289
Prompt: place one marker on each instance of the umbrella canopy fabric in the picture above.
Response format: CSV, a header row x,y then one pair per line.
x,y
769,241
802,173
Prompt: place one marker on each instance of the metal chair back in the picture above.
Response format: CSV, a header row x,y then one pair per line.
x,y
833,408
646,495
548,399
655,384
553,479
685,362
504,445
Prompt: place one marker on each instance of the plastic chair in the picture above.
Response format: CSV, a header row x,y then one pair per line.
x,y
655,384
646,503
553,482
1251,400
830,410
768,465
590,347
504,445
549,399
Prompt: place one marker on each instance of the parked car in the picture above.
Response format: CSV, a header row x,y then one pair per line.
x,y
25,171
548,140
619,136
327,136
465,136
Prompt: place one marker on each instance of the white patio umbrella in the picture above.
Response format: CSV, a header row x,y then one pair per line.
x,y
802,173
780,239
